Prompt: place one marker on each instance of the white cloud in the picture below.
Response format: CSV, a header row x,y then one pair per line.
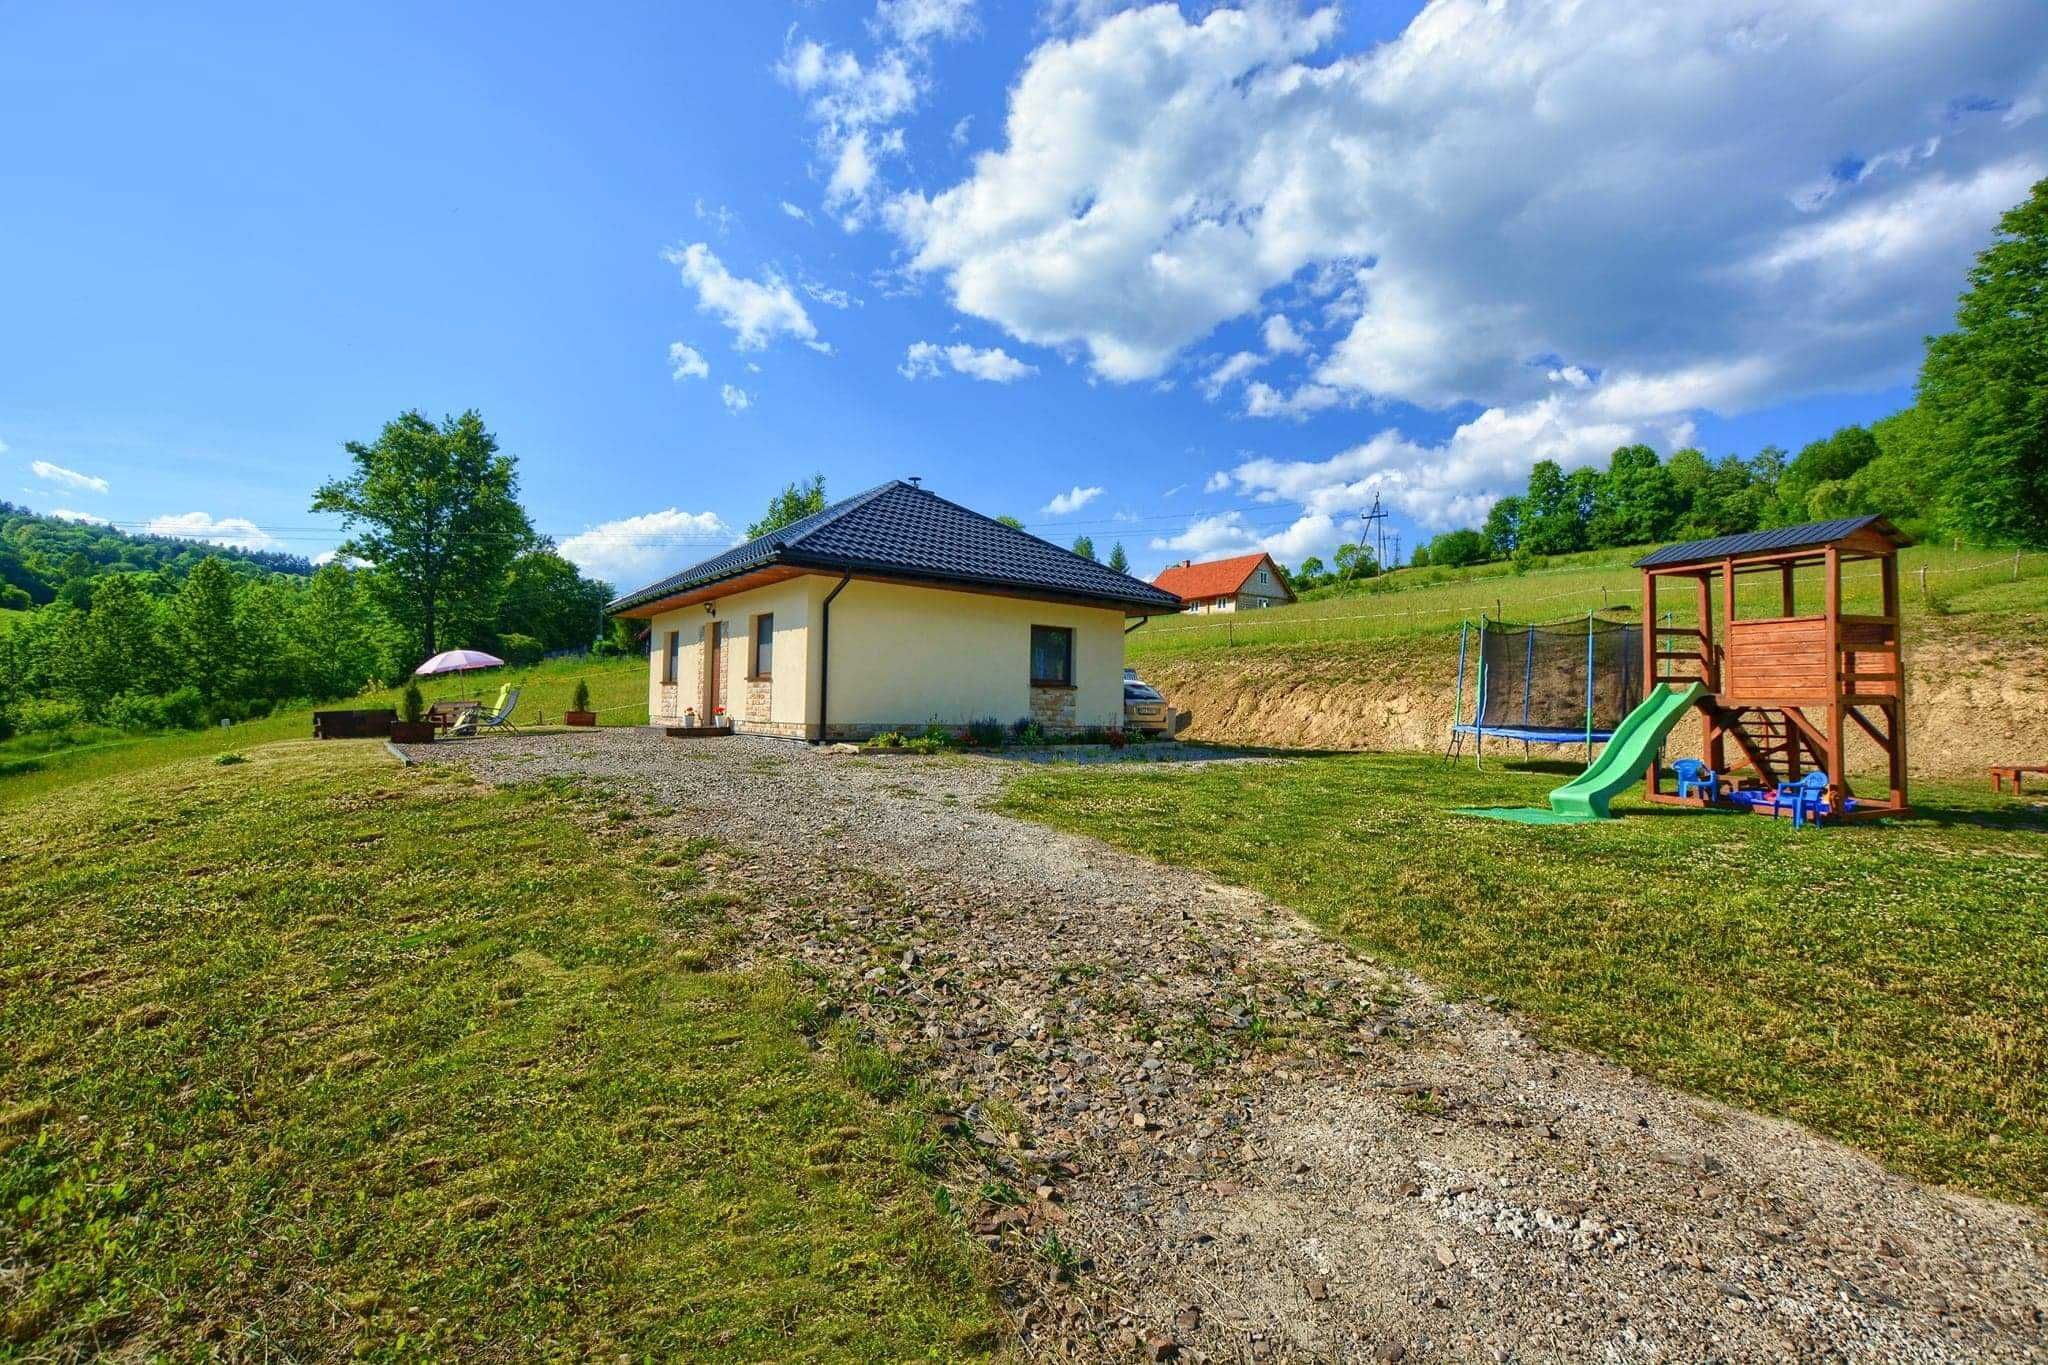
x,y
923,360
686,362
1281,338
239,532
958,137
326,557
916,22
1572,375
1228,533
720,217
821,292
856,103
1464,199
69,478
1229,372
757,311
1073,500
1216,482
70,514
1263,400
631,550
800,214
736,399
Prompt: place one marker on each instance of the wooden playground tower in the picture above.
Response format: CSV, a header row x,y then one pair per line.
x,y
1783,690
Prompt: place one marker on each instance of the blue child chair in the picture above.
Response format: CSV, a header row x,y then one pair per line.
x,y
1696,779
1805,797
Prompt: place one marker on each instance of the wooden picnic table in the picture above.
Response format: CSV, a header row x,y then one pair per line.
x,y
2017,772
445,714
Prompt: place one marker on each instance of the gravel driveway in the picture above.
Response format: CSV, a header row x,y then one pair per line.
x,y
1259,1145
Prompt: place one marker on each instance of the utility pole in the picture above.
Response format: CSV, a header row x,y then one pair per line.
x,y
1394,539
1375,532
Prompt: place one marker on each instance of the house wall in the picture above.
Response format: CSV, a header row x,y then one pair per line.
x,y
907,656
778,705
902,657
1262,589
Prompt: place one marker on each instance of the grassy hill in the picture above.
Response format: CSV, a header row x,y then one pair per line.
x,y
1993,590
618,693
311,1056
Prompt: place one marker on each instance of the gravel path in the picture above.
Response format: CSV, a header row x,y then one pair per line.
x,y
1259,1145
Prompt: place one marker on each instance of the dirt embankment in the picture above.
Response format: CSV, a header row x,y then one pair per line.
x,y
1970,703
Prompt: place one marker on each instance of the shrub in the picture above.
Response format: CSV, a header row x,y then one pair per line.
x,y
936,733
986,733
412,706
581,700
521,650
1027,731
179,710
888,739
14,597
47,715
228,760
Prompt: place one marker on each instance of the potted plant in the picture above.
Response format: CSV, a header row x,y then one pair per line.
x,y
413,728
579,712
718,719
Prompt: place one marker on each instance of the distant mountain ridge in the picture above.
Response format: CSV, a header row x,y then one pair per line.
x,y
41,554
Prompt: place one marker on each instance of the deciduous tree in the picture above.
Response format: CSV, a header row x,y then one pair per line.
x,y
434,509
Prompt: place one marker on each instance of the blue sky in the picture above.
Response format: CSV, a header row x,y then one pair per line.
x,y
1238,268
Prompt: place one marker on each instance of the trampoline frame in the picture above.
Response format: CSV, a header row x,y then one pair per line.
x,y
1589,734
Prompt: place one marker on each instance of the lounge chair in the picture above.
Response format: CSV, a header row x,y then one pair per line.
x,y
499,717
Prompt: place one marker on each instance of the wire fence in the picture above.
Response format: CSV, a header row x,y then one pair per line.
x,y
1303,624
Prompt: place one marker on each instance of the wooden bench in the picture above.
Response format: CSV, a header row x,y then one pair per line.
x,y
2017,772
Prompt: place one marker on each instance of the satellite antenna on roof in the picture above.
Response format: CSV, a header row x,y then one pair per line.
x,y
917,480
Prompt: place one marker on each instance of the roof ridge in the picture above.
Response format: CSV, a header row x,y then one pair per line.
x,y
823,517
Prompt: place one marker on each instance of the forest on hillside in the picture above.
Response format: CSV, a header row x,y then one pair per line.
x,y
140,633
44,557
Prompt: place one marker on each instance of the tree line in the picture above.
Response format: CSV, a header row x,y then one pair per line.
x,y
440,553
43,557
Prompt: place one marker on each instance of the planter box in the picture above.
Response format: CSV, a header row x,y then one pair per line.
x,y
374,723
412,732
579,718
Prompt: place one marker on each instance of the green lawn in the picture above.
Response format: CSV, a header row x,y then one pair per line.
x,y
1885,984
1964,589
618,692
309,1055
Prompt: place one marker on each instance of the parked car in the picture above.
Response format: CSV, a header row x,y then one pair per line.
x,y
1144,708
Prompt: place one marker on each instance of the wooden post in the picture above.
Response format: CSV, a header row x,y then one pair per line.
x,y
1788,600
1838,777
1650,647
1895,718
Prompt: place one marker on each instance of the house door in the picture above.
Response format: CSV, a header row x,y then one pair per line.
x,y
714,670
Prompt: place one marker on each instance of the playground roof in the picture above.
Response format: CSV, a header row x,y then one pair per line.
x,y
1810,535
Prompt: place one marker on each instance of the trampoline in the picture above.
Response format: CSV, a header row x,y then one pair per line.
x,y
1562,682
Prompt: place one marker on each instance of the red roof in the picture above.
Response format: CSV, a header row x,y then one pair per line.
x,y
1214,578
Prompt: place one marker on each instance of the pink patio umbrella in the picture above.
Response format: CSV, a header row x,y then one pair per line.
x,y
458,661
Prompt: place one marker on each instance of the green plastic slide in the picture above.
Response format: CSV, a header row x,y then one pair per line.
x,y
1626,756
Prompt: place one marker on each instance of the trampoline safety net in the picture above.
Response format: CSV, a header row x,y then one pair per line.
x,y
1534,677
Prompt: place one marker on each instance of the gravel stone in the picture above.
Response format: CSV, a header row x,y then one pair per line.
x,y
1458,1190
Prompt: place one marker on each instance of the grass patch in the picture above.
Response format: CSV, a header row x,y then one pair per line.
x,y
1885,984
313,1055
29,768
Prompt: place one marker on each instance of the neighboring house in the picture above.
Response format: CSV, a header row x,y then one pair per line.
x,y
889,611
1241,584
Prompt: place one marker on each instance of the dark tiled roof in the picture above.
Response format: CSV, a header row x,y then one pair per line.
x,y
1810,535
901,531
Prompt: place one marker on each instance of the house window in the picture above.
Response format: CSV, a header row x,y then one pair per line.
x,y
764,645
1052,656
668,658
